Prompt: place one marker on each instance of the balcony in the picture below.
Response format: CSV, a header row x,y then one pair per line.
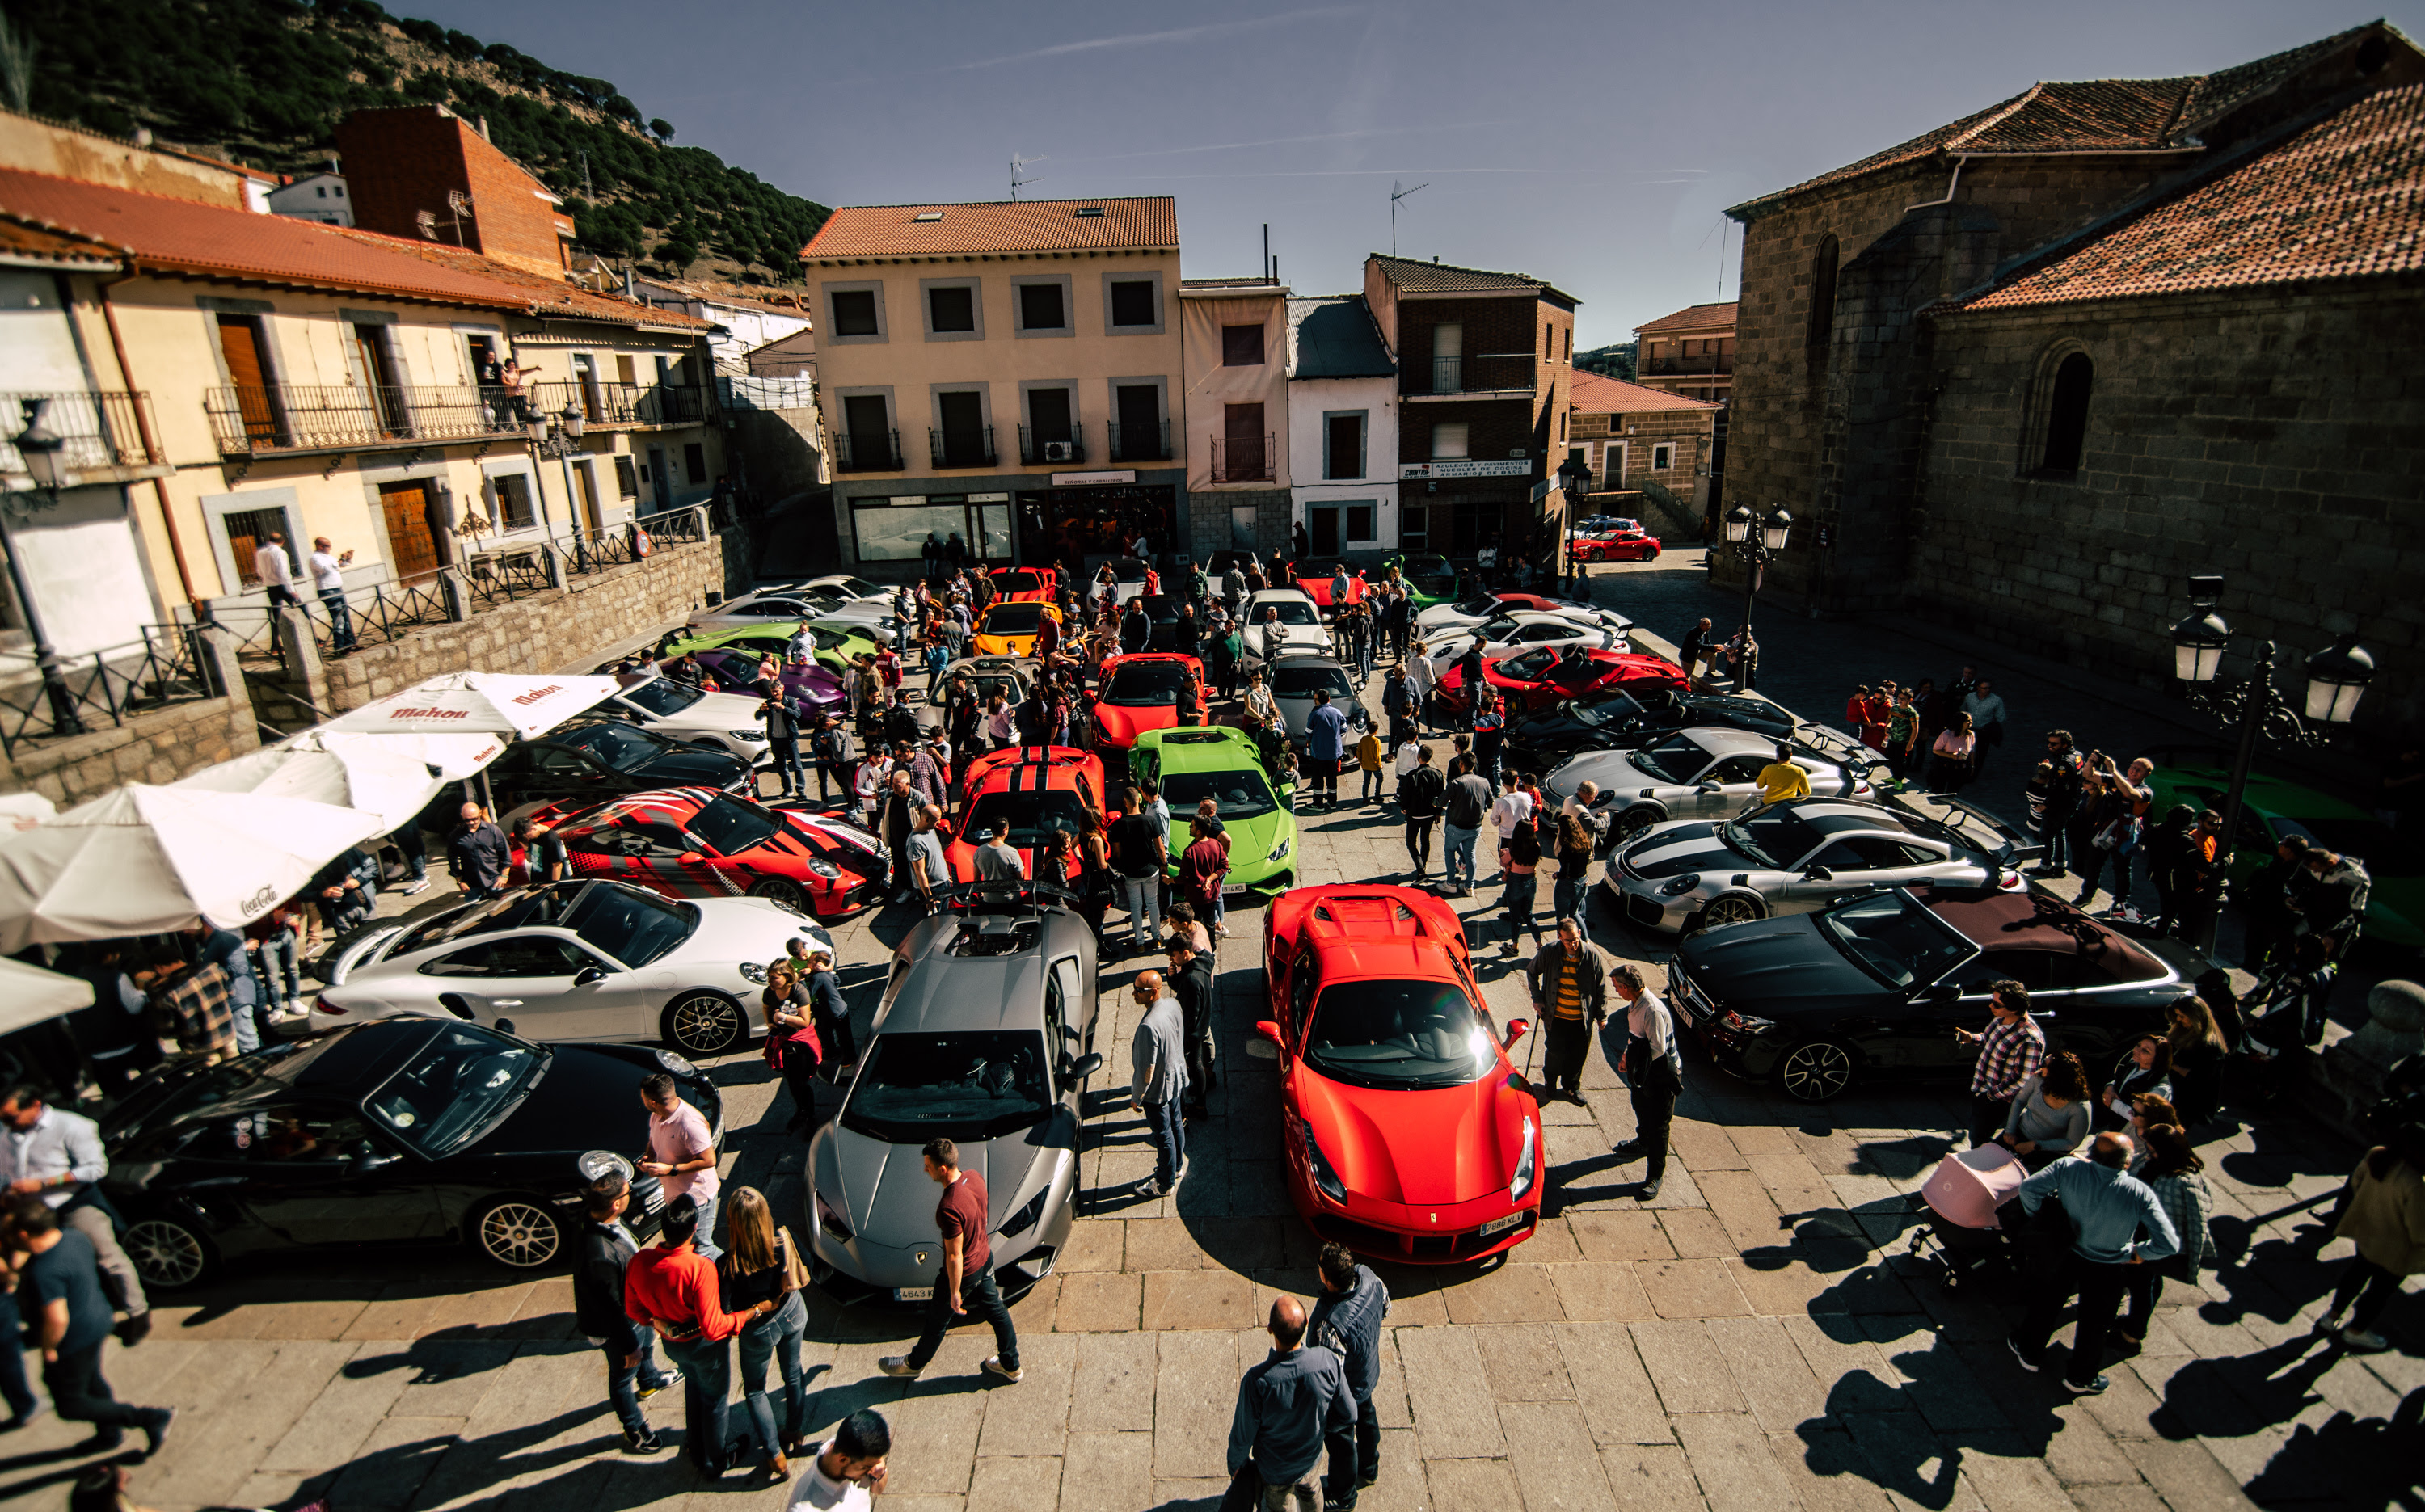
x,y
618,406
1692,364
1484,372
294,417
962,449
102,435
867,451
1141,443
1247,460
1052,453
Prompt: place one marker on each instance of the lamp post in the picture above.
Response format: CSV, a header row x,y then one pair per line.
x,y
1756,549
558,435
42,449
2336,678
1575,479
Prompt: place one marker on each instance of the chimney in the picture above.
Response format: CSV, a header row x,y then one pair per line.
x,y
484,128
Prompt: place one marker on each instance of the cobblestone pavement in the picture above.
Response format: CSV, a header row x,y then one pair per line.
x,y
1757,1338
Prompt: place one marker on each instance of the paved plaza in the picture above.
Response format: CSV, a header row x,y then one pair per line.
x,y
1757,1338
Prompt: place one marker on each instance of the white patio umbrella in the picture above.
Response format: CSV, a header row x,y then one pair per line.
x,y
390,787
457,756
20,811
146,860
495,703
29,995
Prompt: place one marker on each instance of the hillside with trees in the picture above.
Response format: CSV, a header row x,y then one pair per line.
x,y
264,83
1607,361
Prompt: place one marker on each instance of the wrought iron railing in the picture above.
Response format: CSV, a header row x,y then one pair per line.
x,y
596,550
1042,452
297,417
685,524
1241,460
396,607
867,451
625,403
106,687
101,430
1141,443
500,577
962,449
1483,372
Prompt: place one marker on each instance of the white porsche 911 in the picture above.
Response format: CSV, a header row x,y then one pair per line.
x,y
576,959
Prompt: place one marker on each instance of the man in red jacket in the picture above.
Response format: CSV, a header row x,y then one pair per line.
x,y
672,1288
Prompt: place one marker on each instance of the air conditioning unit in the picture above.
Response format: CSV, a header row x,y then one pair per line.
x,y
1059,451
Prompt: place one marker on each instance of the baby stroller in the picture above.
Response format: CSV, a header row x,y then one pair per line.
x,y
1961,1228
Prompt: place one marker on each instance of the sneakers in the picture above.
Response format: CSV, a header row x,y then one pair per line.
x,y
38,1411
416,886
898,1365
671,1379
642,1444
136,1329
1647,1191
2094,1388
993,1366
2021,1354
2364,1340
1152,1188
155,1430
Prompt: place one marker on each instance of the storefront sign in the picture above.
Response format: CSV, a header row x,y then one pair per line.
x,y
1465,469
988,499
905,500
1073,480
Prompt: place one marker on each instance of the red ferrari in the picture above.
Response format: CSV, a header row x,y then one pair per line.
x,y
1539,679
1409,1135
1147,692
1026,584
1628,542
693,842
1028,791
1314,582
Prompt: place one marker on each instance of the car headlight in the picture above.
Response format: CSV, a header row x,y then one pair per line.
x,y
1745,1023
676,1064
1525,1167
1324,1175
819,866
830,1217
1029,1214
746,735
1280,852
1681,885
754,972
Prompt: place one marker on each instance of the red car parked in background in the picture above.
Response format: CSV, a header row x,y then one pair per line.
x,y
1408,1135
1028,791
1536,680
1616,540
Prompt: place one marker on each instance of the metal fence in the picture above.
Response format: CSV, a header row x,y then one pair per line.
x,y
962,449
1038,451
101,430
502,576
396,607
106,687
867,451
1241,459
757,393
1141,443
297,417
625,403
1483,372
596,550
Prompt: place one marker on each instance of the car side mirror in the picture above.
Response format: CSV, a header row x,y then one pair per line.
x,y
1944,991
1516,1029
1265,1046
1712,787
693,858
587,975
1819,874
1083,1067
366,1160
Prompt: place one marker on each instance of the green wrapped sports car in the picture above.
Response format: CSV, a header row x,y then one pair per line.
x,y
837,644
1219,762
1429,578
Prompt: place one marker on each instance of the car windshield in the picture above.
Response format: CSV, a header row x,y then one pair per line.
x,y
629,925
1147,684
855,587
1237,794
1303,683
1030,817
1605,708
546,904
1127,569
830,640
1401,1035
1774,838
979,1085
729,828
1480,605
660,697
1018,582
1013,619
1159,608
1896,940
1287,610
618,746
461,1082
1674,760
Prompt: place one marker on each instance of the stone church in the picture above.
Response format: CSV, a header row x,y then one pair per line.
x,y
2023,374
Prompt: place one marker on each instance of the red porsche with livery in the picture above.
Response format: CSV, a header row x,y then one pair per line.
x,y
1026,792
1147,691
1539,679
1019,585
695,843
1408,1135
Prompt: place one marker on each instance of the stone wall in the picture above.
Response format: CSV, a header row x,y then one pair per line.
x,y
156,748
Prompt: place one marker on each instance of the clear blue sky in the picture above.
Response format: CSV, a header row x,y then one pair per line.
x,y
1591,143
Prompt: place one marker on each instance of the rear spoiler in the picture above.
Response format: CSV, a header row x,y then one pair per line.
x,y
1832,742
1968,823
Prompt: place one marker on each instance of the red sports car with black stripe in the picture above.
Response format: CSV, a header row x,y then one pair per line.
x,y
1147,692
1019,585
1543,678
694,842
1026,791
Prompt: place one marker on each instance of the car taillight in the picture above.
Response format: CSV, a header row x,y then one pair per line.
x,y
321,1005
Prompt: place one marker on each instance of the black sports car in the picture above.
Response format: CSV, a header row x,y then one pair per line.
x,y
600,759
1876,986
1616,719
396,1131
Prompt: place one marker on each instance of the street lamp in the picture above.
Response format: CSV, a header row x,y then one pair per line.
x,y
558,435
42,449
1776,533
1575,477
2336,678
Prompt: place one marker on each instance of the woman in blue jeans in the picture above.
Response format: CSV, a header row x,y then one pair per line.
x,y
756,1268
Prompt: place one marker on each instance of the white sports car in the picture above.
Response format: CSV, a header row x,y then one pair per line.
x,y
576,959
1510,633
770,607
1702,773
1480,609
1300,622
842,585
681,712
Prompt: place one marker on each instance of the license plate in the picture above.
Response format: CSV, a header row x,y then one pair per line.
x,y
1679,1002
913,1294
1501,1225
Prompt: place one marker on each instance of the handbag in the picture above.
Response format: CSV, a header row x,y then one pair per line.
x,y
795,1274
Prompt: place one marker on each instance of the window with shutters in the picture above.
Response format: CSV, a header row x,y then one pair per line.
x,y
1448,440
514,511
1342,445
1242,346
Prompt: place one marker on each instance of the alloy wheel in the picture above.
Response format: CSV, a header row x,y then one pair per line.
x,y
519,1235
167,1252
782,891
704,1024
1816,1071
1731,908
1633,821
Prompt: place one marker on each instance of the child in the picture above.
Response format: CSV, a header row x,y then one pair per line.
x,y
1288,771
2035,792
1367,759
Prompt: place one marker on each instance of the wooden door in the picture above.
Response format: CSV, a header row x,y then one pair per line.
x,y
1324,520
240,345
588,480
411,547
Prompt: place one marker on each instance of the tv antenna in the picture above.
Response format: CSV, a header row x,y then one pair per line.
x,y
1397,194
1019,174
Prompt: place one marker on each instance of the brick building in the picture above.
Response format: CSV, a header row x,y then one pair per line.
x,y
1691,352
2024,372
1645,444
424,171
1484,360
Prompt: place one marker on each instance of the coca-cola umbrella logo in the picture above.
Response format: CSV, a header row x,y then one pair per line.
x,y
259,902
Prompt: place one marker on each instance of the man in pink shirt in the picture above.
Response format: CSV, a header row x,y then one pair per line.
x,y
682,1154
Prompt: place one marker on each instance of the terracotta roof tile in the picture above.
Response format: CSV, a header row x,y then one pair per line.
x,y
1692,318
1447,277
181,236
1595,393
1148,223
534,292
21,240
2342,198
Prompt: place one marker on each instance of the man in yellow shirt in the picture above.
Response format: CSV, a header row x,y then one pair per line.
x,y
1781,779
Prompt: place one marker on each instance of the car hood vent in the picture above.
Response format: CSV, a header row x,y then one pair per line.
x,y
996,938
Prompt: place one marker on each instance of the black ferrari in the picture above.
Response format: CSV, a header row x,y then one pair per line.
x,y
1617,719
402,1131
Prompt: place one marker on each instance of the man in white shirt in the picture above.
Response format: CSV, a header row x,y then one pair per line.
x,y
57,1155
276,572
849,1469
329,581
1514,807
